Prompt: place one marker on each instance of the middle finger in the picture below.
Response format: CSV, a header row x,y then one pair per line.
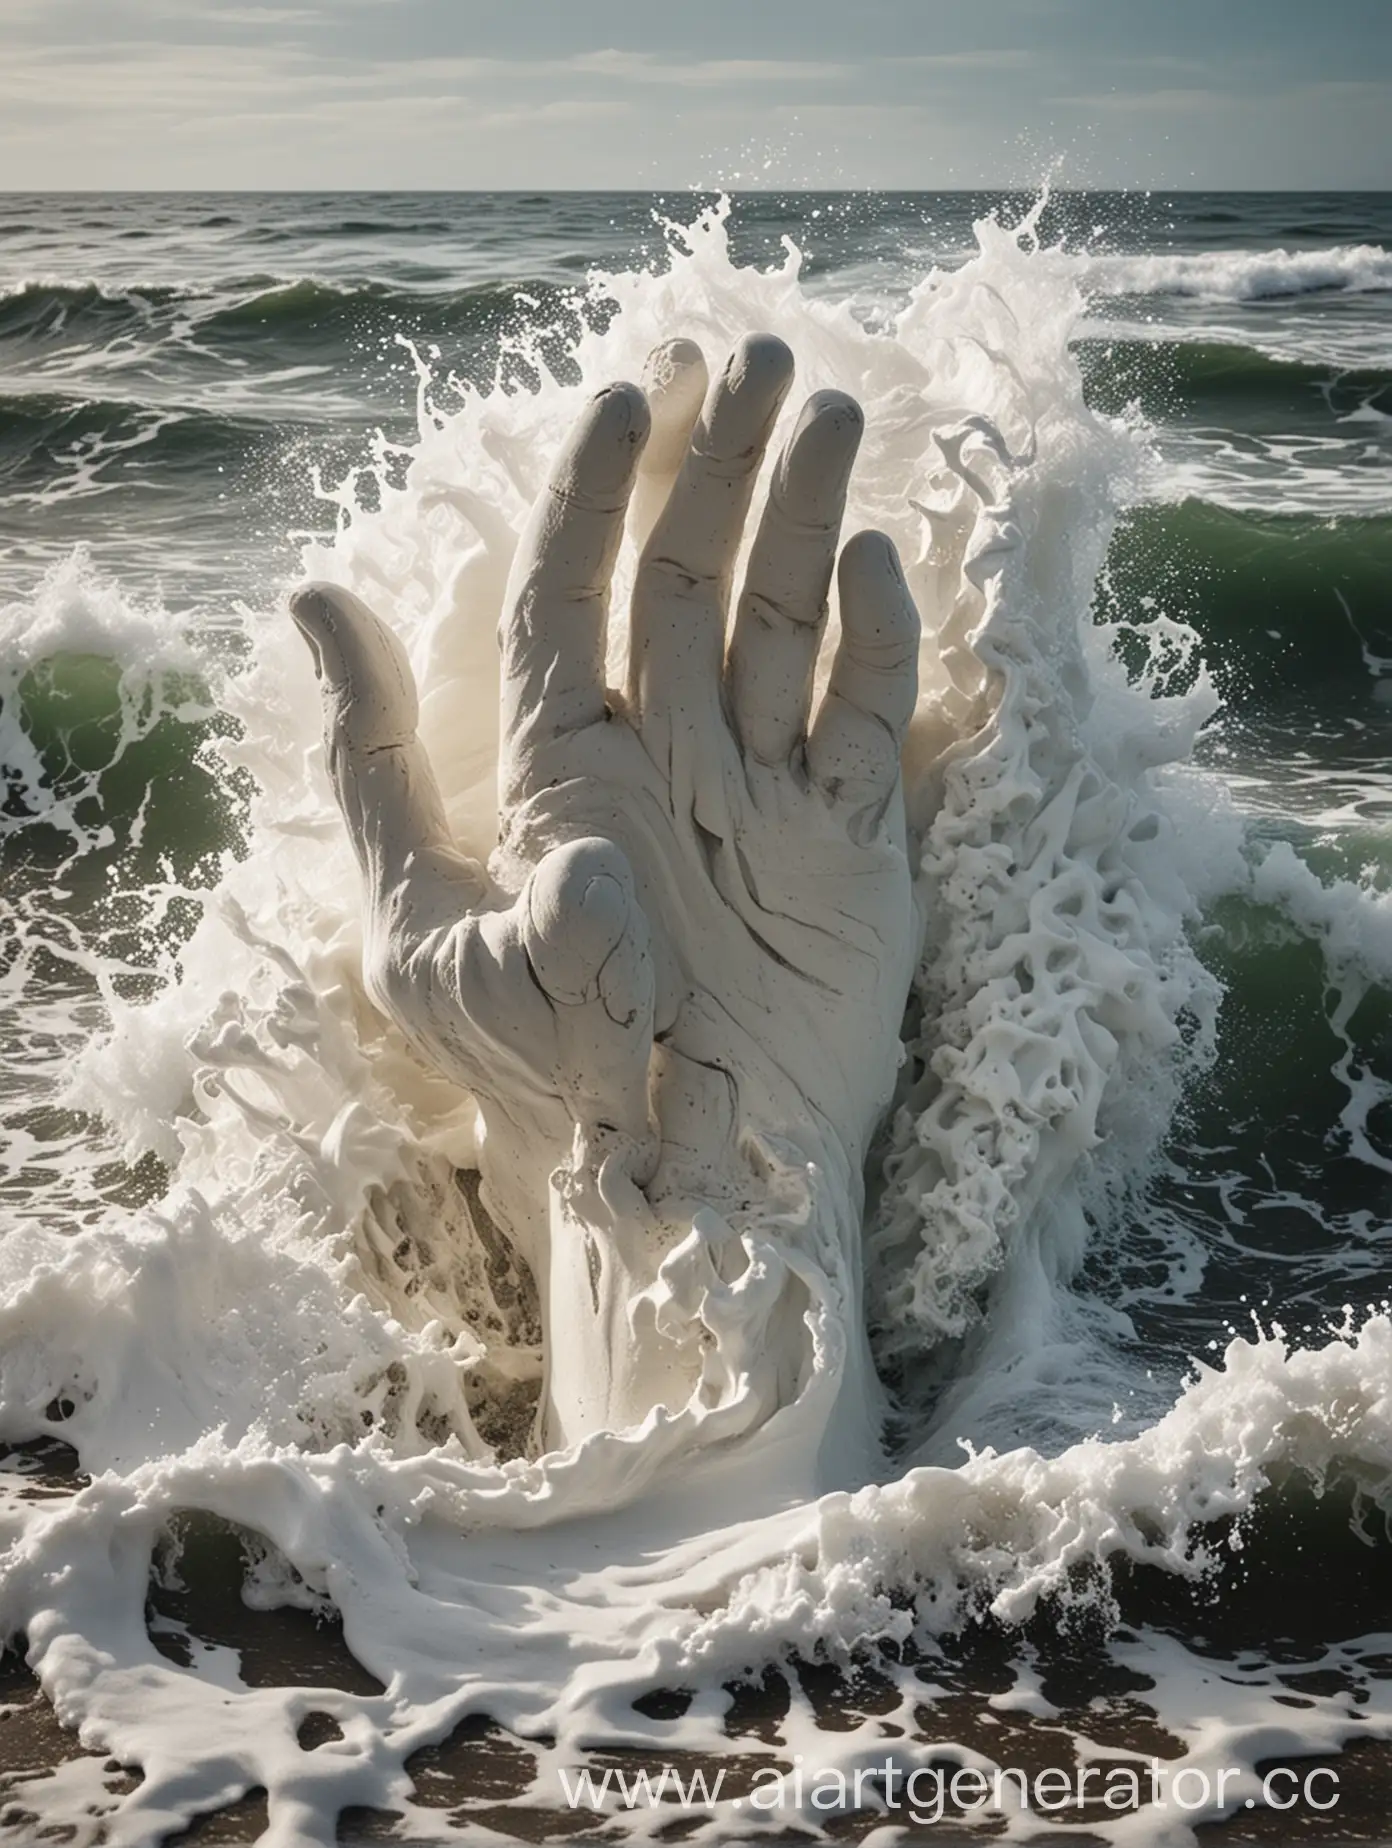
x,y
682,588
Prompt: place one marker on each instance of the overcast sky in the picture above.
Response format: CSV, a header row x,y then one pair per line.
x,y
613,93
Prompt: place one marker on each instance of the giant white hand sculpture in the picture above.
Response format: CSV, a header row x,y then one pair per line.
x,y
695,939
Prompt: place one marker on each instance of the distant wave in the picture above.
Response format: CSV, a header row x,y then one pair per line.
x,y
47,306
1243,275
34,424
385,227
1209,366
57,446
295,305
1162,371
42,308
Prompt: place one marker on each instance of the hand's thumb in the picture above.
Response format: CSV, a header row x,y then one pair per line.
x,y
370,700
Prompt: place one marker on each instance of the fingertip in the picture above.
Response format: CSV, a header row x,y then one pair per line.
x,y
871,555
316,608
676,380
311,606
360,662
745,400
621,411
761,361
598,463
832,403
815,467
836,404
877,608
673,365
305,599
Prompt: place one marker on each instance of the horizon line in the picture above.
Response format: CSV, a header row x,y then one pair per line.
x,y
619,192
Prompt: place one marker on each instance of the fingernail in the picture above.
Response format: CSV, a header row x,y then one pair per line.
x,y
308,605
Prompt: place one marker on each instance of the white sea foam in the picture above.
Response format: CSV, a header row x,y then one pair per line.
x,y
310,1338
1326,477
76,611
1241,275
77,614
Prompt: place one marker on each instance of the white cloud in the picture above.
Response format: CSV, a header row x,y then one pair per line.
x,y
647,67
998,59
116,81
202,12
202,82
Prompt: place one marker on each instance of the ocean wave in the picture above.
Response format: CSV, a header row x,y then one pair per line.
x,y
57,447
1160,372
391,227
34,424
311,306
103,708
42,307
1250,430
1242,275
1282,602
1303,473
309,316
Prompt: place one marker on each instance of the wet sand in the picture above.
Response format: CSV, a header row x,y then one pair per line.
x,y
1306,1577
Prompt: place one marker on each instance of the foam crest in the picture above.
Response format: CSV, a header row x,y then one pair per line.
x,y
1242,275
1003,1531
75,616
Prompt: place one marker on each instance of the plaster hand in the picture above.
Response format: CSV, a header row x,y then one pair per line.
x,y
697,931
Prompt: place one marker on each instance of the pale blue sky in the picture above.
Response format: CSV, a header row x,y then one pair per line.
x,y
641,93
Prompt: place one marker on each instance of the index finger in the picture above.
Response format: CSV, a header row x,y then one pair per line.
x,y
557,602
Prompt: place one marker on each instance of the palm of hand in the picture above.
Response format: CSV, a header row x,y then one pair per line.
x,y
774,933
700,916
